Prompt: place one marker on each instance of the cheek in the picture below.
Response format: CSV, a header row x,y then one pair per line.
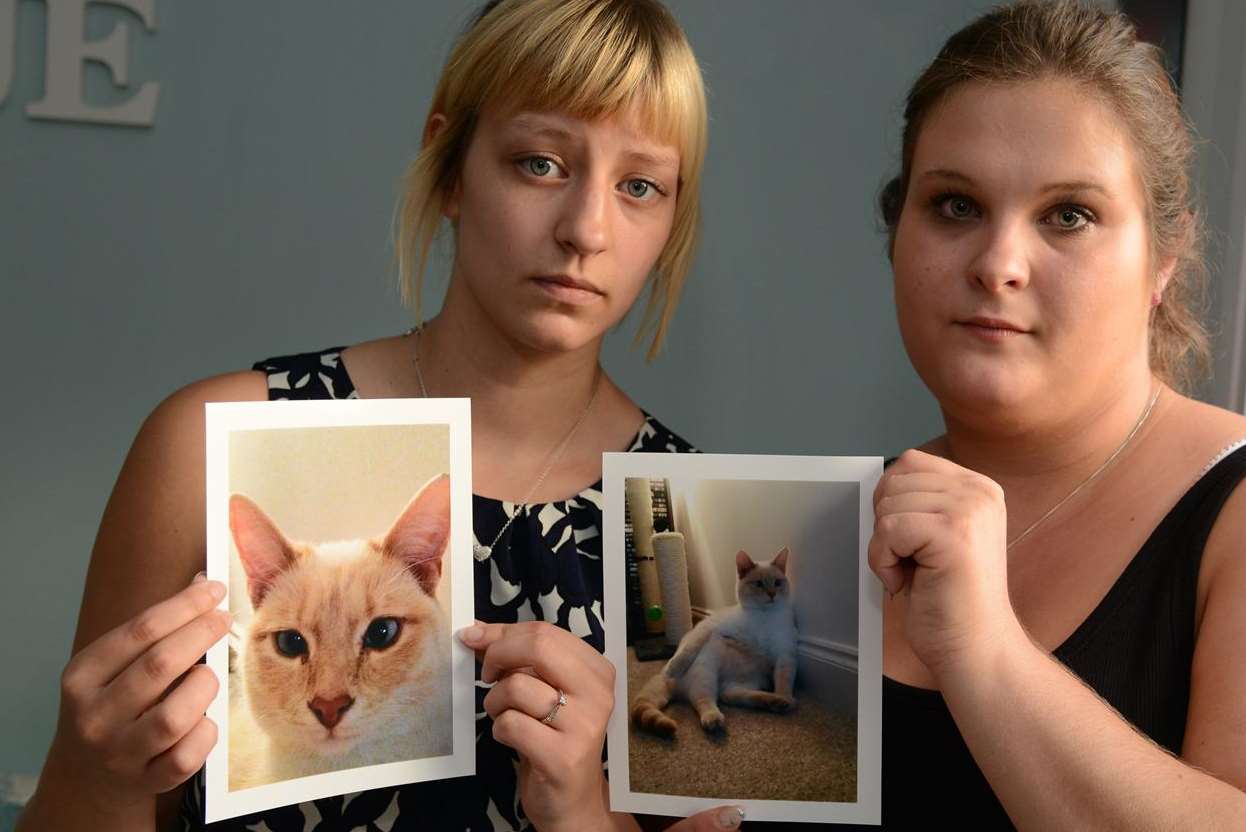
x,y
639,245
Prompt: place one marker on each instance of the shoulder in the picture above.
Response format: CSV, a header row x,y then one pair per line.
x,y
153,523
655,437
320,374
1203,429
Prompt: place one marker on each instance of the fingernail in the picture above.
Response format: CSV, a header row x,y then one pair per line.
x,y
731,817
217,590
199,577
470,635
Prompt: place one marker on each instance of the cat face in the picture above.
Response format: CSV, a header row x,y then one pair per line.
x,y
760,585
347,639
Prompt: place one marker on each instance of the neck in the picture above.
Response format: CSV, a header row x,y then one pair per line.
x,y
1039,461
515,388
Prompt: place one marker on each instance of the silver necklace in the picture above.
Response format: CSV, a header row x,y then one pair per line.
x,y
1146,414
483,552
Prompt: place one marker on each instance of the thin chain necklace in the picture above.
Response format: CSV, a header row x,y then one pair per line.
x,y
1146,414
483,552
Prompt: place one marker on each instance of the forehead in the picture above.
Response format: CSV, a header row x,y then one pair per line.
x,y
1026,133
625,130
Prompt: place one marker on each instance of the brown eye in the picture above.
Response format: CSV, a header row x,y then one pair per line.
x,y
290,643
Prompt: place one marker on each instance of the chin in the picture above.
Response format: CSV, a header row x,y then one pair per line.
x,y
976,393
556,331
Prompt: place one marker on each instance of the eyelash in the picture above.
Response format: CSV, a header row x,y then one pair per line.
x,y
939,201
525,162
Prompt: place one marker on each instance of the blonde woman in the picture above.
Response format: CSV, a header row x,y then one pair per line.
x,y
563,148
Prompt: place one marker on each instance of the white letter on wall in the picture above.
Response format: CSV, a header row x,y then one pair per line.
x,y
8,45
66,51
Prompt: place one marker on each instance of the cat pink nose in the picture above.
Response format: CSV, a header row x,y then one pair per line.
x,y
329,711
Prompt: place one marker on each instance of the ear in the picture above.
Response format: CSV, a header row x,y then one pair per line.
x,y
743,563
418,537
436,125
263,549
1168,266
780,560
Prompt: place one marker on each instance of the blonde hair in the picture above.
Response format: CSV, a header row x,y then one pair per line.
x,y
589,59
1063,39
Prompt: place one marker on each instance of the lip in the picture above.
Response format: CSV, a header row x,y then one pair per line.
x,y
991,329
566,289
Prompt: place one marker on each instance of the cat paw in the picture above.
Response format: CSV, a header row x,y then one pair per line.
x,y
782,704
714,722
777,703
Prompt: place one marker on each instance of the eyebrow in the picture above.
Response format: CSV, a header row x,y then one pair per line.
x,y
539,126
1074,185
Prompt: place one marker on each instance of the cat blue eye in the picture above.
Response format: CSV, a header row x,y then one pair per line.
x,y
381,633
290,643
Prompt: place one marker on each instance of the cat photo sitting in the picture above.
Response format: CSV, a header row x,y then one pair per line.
x,y
742,655
346,659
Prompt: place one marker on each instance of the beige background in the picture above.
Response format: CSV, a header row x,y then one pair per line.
x,y
333,483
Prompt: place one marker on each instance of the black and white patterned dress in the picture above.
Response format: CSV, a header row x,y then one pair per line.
x,y
547,567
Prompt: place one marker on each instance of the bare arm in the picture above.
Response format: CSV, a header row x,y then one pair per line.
x,y
149,546
1068,760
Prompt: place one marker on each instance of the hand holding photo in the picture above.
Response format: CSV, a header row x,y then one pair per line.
x,y
750,653
339,528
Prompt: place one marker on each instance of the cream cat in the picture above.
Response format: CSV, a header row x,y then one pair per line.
x,y
346,660
742,655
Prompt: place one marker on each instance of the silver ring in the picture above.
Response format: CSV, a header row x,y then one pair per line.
x,y
553,712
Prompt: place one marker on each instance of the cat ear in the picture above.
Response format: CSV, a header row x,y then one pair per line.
x,y
780,560
418,537
743,563
263,549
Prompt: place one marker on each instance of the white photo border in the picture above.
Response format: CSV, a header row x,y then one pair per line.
x,y
225,418
866,471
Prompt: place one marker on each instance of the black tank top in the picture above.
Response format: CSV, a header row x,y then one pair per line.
x,y
1135,649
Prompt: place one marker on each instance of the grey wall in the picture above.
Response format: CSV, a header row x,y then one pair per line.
x,y
253,219
1214,95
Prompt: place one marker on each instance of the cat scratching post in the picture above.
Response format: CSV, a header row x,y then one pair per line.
x,y
640,506
672,562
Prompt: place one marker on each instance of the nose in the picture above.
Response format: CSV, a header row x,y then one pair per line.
x,y
584,223
1001,262
329,710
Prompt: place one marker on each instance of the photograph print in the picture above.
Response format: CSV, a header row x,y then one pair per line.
x,y
746,630
342,529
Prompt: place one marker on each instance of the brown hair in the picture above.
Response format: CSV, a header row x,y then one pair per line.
x,y
590,59
1064,39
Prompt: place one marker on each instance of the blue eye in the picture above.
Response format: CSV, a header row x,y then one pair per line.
x,y
640,188
955,207
290,643
381,633
539,166
1069,218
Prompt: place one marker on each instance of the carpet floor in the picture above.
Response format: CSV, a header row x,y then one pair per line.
x,y
808,754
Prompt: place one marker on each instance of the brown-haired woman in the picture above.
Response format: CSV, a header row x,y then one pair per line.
x,y
1065,564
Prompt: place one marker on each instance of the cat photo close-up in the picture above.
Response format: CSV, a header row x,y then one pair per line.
x,y
747,637
342,531
345,661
